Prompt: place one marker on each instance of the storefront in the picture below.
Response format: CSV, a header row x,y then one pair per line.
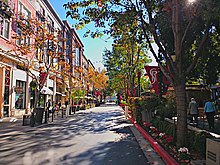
x,y
19,94
6,90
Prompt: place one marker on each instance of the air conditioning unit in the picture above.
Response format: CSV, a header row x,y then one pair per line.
x,y
213,151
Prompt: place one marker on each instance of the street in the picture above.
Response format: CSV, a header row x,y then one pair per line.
x,y
97,136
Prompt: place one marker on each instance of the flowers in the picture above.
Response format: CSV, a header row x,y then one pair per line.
x,y
153,129
183,150
167,141
147,124
183,154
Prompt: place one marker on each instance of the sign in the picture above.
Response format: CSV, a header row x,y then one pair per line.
x,y
152,72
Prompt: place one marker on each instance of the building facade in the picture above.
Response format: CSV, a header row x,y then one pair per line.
x,y
16,94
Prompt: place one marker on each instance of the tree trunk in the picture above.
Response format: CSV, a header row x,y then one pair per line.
x,y
181,130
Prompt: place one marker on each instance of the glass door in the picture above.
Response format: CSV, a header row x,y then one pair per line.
x,y
6,93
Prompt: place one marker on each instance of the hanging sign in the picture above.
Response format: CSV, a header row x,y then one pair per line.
x,y
152,72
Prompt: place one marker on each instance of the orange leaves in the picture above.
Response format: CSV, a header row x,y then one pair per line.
x,y
99,3
99,79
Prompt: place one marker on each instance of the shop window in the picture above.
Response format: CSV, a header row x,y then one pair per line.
x,y
20,95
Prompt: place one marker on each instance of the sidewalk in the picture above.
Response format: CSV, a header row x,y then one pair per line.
x,y
14,125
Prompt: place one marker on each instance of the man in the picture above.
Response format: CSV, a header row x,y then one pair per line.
x,y
193,111
48,105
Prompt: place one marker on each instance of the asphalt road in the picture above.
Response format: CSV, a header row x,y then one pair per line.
x,y
98,136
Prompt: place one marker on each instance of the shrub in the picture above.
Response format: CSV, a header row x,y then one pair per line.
x,y
166,108
200,142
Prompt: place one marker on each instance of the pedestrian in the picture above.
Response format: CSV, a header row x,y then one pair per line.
x,y
74,107
60,104
209,110
54,110
48,106
193,111
67,108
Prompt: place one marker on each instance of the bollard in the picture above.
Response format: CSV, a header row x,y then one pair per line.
x,y
126,112
67,110
32,120
62,112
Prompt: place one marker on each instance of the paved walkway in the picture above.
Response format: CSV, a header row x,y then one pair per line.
x,y
12,125
70,128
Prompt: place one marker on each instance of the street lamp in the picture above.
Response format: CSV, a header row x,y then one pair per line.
x,y
173,56
139,86
191,1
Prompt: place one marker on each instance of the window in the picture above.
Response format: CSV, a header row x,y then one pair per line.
x,y
22,9
23,38
4,27
50,25
77,57
20,94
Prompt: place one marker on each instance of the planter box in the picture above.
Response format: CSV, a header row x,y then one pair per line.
x,y
213,151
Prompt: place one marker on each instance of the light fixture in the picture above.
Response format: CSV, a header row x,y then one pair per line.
x,y
173,56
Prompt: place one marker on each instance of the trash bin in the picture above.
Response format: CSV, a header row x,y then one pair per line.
x,y
39,116
26,120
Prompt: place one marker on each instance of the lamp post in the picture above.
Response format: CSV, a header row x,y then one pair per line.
x,y
139,86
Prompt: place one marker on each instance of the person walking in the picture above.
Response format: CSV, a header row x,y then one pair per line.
x,y
55,107
48,105
209,110
67,107
60,104
193,111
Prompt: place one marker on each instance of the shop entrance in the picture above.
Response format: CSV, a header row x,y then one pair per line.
x,y
6,93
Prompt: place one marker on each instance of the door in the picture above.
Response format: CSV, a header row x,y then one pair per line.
x,y
6,93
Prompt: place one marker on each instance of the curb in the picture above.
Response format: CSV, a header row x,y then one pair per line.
x,y
163,153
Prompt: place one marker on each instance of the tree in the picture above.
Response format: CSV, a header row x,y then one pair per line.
x,y
128,55
38,48
176,26
98,80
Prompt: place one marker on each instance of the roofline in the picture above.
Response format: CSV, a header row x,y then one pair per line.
x,y
78,39
48,4
90,63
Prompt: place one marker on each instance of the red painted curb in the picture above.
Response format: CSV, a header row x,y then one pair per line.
x,y
163,153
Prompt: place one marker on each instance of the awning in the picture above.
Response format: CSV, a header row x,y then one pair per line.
x,y
58,93
78,97
91,98
88,97
46,91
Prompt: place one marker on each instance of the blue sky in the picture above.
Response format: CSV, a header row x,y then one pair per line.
x,y
93,48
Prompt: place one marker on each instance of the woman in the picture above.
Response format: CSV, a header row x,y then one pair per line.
x,y
193,111
209,110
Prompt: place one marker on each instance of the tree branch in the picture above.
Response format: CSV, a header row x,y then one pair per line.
x,y
199,50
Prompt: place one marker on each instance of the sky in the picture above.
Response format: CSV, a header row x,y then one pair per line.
x,y
93,48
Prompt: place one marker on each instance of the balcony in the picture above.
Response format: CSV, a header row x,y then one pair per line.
x,y
6,8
